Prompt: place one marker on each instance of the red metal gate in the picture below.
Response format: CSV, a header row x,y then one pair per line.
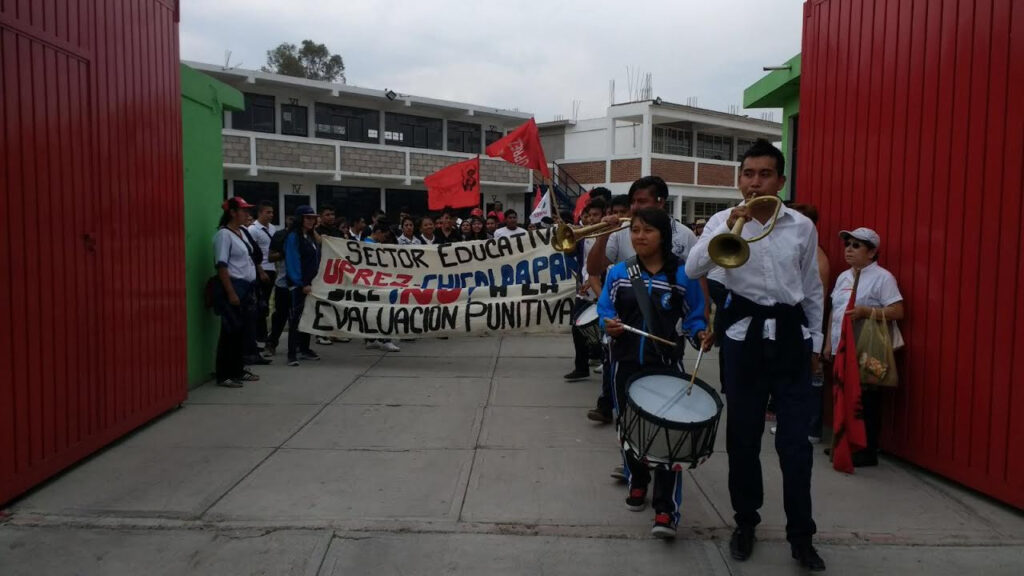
x,y
911,124
92,322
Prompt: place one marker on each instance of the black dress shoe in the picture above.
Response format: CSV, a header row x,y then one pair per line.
x,y
864,459
741,546
577,375
808,557
600,416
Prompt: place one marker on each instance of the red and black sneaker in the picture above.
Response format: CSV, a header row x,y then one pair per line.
x,y
637,499
663,527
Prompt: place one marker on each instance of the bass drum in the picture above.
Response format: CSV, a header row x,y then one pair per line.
x,y
665,422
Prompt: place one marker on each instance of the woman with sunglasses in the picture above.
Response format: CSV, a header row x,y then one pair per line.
x,y
878,295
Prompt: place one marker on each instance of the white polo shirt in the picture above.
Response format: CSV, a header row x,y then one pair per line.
x,y
232,250
877,288
620,245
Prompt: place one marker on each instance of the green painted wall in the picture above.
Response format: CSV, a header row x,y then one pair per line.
x,y
203,101
779,89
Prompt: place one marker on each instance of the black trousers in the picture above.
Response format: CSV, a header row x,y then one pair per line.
x,y
581,351
871,400
235,328
790,386
297,341
282,311
263,294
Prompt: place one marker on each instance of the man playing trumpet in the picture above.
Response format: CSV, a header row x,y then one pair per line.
x,y
772,321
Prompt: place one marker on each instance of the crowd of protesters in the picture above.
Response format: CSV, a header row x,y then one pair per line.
x,y
264,272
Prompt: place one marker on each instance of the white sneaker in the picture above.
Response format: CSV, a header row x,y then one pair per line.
x,y
372,345
598,369
390,347
324,341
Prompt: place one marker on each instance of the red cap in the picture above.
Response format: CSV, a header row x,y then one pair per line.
x,y
235,202
476,212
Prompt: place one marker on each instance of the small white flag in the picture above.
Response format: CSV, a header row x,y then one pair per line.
x,y
542,209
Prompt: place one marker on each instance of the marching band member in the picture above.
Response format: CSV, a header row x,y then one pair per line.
x,y
674,300
773,334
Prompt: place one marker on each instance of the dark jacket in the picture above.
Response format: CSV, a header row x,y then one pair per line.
x,y
301,258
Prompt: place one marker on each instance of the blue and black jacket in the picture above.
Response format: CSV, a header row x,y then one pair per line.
x,y
301,259
678,309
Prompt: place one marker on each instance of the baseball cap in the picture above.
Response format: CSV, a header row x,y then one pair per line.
x,y
235,202
700,222
864,235
305,210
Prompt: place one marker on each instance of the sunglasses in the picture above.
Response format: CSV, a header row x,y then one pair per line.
x,y
855,245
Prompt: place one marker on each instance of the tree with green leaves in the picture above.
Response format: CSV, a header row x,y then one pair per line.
x,y
312,60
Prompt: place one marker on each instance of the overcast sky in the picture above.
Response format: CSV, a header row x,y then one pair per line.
x,y
536,56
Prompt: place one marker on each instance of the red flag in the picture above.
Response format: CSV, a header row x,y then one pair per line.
x,y
522,148
847,422
581,205
455,186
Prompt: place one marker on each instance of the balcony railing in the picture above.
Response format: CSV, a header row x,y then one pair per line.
x,y
256,152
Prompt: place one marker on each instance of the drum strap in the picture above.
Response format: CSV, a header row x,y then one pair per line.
x,y
643,299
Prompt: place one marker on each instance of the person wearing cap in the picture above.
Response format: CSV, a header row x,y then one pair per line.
x,y
698,227
302,262
235,292
878,295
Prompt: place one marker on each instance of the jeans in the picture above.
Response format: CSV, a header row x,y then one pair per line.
x,y
263,293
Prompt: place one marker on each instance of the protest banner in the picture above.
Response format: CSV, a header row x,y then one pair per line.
x,y
517,284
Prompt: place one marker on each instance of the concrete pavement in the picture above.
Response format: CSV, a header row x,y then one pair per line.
x,y
461,456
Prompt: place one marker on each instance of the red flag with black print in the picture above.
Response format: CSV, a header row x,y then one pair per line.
x,y
848,430
522,148
455,186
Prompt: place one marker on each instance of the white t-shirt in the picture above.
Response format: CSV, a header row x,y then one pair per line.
x,y
403,241
620,245
877,288
262,234
232,250
504,232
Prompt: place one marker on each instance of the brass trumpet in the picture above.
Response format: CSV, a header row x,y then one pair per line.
x,y
565,237
730,249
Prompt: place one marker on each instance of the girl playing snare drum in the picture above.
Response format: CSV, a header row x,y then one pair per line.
x,y
677,306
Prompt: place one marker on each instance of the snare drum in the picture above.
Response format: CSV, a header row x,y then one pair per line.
x,y
587,324
662,425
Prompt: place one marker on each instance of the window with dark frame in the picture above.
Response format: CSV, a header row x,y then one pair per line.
x,y
714,147
294,120
257,192
258,115
742,145
492,136
347,123
413,131
671,140
464,137
350,202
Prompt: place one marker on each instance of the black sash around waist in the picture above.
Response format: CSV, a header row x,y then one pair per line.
x,y
789,338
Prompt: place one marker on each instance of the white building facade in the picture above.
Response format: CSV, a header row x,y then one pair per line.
x,y
695,150
302,141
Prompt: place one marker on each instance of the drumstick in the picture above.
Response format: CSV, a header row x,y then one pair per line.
x,y
693,377
639,332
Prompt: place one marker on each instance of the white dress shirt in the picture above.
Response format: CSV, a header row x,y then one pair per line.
x,y
262,235
877,288
783,269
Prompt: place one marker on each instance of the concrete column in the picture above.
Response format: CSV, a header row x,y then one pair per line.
x,y
444,134
380,130
383,199
645,145
611,138
483,138
691,210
